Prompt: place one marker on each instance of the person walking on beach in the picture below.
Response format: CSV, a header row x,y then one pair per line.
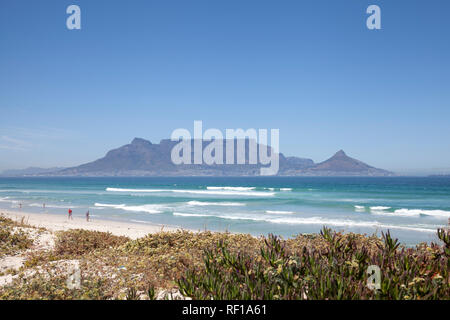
x,y
87,216
70,214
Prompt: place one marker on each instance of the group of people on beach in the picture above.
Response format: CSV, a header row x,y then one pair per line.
x,y
71,218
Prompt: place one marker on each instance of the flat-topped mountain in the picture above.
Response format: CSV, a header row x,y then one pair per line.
x,y
143,158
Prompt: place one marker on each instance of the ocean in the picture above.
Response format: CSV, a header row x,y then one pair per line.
x,y
411,208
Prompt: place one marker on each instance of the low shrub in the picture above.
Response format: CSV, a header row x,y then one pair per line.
x,y
54,287
13,239
78,242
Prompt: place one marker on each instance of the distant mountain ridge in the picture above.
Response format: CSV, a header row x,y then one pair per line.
x,y
143,158
31,171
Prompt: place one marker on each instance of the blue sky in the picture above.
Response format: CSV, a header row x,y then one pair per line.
x,y
144,68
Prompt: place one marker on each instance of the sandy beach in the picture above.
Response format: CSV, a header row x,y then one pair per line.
x,y
55,222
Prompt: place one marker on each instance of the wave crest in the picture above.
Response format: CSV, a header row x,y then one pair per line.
x,y
279,212
225,204
207,192
232,188
148,208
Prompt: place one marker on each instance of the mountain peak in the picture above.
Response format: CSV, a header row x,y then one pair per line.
x,y
140,141
343,164
340,153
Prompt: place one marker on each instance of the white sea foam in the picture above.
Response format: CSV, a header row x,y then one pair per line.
x,y
36,205
379,208
207,192
279,212
313,221
140,221
28,191
285,189
50,205
225,204
181,214
109,205
148,208
396,214
418,212
8,199
348,223
143,208
135,190
231,188
228,193
360,208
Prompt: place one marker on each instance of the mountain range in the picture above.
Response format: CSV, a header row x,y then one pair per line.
x,y
31,171
143,158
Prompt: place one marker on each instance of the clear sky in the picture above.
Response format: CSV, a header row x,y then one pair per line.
x,y
144,68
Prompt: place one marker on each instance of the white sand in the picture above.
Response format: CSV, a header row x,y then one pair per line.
x,y
55,222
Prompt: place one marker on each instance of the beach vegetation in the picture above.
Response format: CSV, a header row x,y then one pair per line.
x,y
78,242
335,272
13,238
214,265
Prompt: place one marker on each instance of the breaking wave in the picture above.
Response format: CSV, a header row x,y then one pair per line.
x,y
8,199
56,206
379,208
418,212
311,221
208,192
191,214
382,211
225,204
134,190
232,188
148,208
279,212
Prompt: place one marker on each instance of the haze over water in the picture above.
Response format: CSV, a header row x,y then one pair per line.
x,y
412,208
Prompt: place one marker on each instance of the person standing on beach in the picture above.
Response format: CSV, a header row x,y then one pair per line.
x,y
87,216
20,206
70,214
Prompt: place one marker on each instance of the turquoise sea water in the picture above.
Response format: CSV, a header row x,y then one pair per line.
x,y
412,208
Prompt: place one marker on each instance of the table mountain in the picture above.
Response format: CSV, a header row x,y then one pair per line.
x,y
143,158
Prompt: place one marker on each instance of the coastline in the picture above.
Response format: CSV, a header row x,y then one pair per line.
x,y
54,222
